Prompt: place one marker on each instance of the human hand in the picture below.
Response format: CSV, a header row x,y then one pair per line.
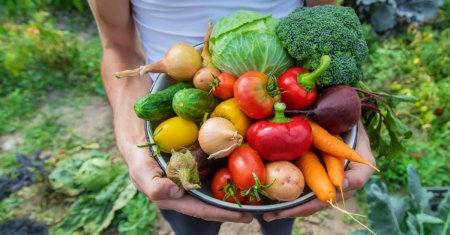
x,y
355,177
147,176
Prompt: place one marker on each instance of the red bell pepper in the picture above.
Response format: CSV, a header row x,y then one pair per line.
x,y
297,85
280,138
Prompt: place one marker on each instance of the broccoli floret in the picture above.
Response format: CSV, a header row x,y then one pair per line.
x,y
310,32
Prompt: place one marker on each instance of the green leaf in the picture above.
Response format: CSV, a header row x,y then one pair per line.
x,y
412,224
399,205
95,173
443,212
382,214
91,146
424,218
407,98
245,41
92,213
420,198
125,196
76,217
397,132
139,216
397,126
63,177
373,126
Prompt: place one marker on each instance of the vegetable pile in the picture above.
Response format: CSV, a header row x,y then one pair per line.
x,y
253,124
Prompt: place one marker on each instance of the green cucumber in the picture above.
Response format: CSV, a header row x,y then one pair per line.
x,y
158,106
192,103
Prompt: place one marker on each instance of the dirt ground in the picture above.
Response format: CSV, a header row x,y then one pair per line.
x,y
95,118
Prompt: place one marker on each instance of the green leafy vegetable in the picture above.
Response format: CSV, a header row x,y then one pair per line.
x,y
406,214
92,213
139,216
84,171
245,41
95,173
63,177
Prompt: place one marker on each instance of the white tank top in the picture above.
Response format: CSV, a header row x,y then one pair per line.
x,y
162,23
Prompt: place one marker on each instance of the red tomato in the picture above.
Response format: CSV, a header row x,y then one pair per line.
x,y
293,94
254,94
223,86
223,189
243,163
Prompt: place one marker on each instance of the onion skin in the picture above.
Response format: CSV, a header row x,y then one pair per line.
x,y
218,137
180,62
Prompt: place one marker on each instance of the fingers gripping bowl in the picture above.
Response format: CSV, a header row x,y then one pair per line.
x,y
204,193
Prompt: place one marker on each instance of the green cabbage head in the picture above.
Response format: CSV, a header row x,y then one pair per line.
x,y
245,41
95,173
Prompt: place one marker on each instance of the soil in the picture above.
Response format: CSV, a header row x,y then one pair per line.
x,y
95,118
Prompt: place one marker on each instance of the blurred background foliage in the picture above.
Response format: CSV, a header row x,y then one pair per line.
x,y
49,46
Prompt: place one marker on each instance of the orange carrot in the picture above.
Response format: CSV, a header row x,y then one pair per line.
x,y
335,170
335,167
318,181
316,177
326,142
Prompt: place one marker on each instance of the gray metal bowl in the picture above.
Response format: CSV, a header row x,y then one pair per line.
x,y
204,193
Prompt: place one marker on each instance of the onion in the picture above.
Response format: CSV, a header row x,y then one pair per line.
x,y
180,62
218,137
209,72
204,77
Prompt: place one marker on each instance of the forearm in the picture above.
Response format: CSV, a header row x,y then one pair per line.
x,y
122,94
311,3
121,51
